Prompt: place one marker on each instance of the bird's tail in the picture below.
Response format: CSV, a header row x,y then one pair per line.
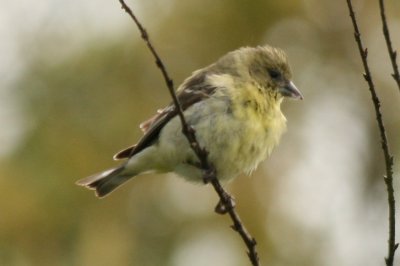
x,y
105,182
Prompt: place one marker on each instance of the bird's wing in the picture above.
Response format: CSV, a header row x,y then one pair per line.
x,y
194,89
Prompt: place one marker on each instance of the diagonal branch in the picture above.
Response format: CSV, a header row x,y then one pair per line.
x,y
392,53
392,246
226,204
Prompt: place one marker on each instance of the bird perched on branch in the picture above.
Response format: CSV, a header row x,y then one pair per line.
x,y
234,107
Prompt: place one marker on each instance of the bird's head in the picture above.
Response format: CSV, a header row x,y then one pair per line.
x,y
268,67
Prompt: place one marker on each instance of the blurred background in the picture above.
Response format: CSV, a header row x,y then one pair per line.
x,y
76,80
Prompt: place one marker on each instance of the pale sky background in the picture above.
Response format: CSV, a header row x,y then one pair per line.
x,y
75,21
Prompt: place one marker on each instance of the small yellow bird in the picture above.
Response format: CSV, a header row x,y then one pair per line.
x,y
234,107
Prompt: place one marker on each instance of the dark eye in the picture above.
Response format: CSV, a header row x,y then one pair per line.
x,y
273,73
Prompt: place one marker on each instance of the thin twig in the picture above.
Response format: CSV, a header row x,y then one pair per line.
x,y
392,246
392,53
209,171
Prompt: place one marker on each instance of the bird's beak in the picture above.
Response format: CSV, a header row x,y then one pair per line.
x,y
290,90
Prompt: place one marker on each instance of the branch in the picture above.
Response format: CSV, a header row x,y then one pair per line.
x,y
392,246
226,204
392,53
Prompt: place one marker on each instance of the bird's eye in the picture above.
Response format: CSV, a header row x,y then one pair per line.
x,y
275,74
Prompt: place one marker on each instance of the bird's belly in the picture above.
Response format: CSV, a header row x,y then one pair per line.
x,y
234,145
239,149
238,145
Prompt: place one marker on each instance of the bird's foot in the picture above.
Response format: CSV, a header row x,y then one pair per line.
x,y
225,204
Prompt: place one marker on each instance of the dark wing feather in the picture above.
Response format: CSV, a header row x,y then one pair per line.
x,y
195,89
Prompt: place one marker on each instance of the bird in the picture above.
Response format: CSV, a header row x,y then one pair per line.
x,y
234,108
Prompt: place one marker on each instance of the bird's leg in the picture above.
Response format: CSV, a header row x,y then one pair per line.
x,y
225,204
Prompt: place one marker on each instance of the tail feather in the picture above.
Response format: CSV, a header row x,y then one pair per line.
x,y
105,182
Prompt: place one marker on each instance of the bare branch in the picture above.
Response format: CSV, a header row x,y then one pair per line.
x,y
392,53
226,204
392,246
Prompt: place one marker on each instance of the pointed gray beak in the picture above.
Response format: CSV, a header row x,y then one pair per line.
x,y
290,90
